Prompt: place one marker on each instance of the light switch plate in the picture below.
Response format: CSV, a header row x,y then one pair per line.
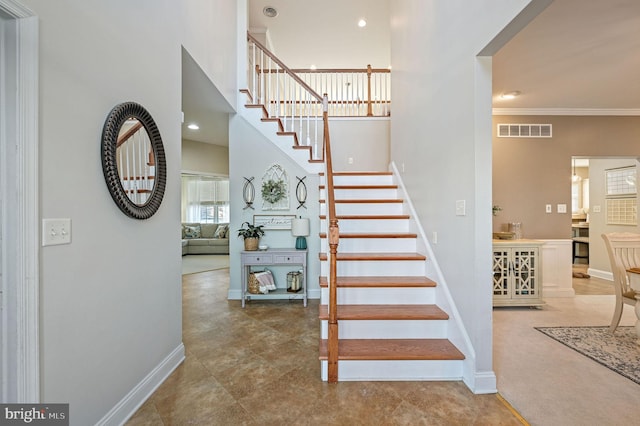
x,y
461,208
562,208
548,208
56,231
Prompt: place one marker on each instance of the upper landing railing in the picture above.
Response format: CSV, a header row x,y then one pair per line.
x,y
292,95
357,92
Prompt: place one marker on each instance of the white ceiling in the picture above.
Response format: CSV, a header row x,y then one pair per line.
x,y
576,55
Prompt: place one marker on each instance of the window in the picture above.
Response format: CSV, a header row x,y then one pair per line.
x,y
205,199
621,199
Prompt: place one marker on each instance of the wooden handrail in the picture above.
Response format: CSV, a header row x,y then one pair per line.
x,y
264,97
275,59
125,136
340,70
334,239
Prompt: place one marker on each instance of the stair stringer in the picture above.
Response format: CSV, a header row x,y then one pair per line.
x,y
478,383
285,143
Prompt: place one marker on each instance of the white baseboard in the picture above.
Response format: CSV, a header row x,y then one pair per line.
x,y
127,407
483,383
598,273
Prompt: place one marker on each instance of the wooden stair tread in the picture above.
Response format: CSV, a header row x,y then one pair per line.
x,y
373,235
369,216
385,312
393,281
376,256
394,349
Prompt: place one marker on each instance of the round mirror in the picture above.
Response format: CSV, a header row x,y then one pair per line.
x,y
133,160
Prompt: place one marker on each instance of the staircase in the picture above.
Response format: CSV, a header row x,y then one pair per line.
x,y
381,318
390,327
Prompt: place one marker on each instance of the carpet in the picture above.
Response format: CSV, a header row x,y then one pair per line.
x,y
194,263
619,352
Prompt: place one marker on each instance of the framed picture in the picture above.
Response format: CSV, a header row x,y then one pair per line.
x,y
273,221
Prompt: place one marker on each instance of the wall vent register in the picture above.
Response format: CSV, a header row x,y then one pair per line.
x,y
524,130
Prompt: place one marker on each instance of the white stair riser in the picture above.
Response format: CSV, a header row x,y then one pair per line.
x,y
360,180
269,130
387,329
362,194
369,225
364,208
373,245
395,370
384,268
382,296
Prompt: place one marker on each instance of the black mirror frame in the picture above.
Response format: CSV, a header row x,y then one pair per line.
x,y
116,118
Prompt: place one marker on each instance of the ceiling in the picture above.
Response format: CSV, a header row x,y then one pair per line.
x,y
577,55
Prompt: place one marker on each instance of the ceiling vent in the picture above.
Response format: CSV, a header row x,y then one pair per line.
x,y
524,130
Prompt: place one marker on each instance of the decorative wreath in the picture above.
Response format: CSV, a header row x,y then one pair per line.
x,y
273,191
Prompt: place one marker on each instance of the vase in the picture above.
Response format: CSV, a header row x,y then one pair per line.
x,y
251,243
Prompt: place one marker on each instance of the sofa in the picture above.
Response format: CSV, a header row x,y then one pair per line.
x,y
205,238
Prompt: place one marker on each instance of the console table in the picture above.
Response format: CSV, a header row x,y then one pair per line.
x,y
273,257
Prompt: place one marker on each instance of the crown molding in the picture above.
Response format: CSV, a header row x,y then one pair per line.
x,y
15,9
567,111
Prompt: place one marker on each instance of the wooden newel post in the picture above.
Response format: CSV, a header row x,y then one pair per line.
x,y
369,103
332,344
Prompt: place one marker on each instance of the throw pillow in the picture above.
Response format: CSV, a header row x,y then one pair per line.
x,y
221,231
207,230
192,231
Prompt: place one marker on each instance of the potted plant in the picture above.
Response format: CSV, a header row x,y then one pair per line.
x,y
251,235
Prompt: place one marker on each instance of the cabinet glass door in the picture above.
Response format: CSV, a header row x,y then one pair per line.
x,y
525,273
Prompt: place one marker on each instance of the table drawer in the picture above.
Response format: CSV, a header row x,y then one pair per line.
x,y
257,259
288,258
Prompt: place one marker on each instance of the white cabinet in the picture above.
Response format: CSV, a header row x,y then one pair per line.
x,y
517,273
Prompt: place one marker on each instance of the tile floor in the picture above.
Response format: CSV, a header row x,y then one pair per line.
x,y
259,366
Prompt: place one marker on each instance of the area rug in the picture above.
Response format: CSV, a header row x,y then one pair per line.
x,y
619,352
194,263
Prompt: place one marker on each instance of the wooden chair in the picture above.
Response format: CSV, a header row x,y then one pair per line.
x,y
624,253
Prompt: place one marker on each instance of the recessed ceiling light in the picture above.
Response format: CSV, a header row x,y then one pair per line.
x,y
362,23
193,126
510,95
270,12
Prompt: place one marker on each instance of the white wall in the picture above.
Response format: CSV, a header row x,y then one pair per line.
x,y
205,158
599,264
364,140
208,38
441,133
111,300
250,155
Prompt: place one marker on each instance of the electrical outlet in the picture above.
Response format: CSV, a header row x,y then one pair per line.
x,y
350,160
596,209
56,231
